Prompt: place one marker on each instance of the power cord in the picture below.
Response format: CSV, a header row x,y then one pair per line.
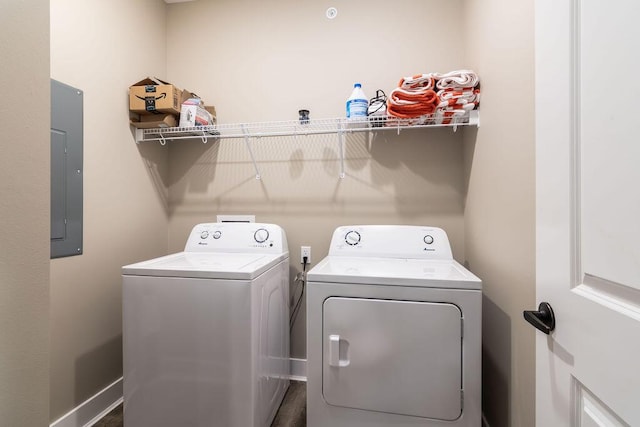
x,y
377,110
301,278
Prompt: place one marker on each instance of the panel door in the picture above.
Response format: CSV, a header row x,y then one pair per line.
x,y
588,207
66,170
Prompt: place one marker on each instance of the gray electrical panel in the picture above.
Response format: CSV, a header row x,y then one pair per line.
x,y
66,170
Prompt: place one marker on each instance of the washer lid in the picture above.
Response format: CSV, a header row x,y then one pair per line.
x,y
394,271
236,266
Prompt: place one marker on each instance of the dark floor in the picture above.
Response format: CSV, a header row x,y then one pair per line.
x,y
292,412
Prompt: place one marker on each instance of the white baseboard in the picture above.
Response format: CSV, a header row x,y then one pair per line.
x,y
93,409
298,369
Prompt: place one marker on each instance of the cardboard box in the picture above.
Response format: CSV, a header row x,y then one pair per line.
x,y
152,95
150,121
186,94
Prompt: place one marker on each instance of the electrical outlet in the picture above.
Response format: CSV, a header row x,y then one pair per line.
x,y
305,251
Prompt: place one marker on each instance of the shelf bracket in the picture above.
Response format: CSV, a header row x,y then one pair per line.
x,y
341,146
204,138
163,141
248,144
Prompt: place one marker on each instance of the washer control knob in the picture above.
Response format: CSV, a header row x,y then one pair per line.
x,y
217,234
261,235
204,234
428,239
352,238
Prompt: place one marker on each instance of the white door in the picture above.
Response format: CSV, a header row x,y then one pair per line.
x,y
588,211
399,357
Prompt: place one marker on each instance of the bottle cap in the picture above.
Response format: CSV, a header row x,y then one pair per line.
x,y
357,85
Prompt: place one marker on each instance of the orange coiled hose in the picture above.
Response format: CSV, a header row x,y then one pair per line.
x,y
410,104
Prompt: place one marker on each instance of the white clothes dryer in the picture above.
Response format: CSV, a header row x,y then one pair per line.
x,y
206,331
393,332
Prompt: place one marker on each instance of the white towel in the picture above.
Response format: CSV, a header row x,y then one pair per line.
x,y
466,98
448,116
456,79
455,105
417,83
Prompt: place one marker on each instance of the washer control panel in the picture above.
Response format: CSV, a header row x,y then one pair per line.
x,y
237,237
392,241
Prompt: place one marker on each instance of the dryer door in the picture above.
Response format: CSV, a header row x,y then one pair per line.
x,y
400,357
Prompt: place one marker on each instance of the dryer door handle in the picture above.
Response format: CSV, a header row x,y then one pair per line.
x,y
334,350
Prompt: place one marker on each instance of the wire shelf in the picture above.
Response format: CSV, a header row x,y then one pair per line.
x,y
297,127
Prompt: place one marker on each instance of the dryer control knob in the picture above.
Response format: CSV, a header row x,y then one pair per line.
x,y
204,234
261,235
428,239
217,234
352,238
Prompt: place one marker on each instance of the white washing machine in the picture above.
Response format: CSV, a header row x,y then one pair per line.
x,y
393,332
206,331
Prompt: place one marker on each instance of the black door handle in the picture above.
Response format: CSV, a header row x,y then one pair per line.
x,y
543,319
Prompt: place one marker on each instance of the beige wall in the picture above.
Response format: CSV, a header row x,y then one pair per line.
x,y
102,47
257,61
500,205
24,213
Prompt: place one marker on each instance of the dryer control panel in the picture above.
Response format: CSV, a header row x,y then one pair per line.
x,y
250,237
391,241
